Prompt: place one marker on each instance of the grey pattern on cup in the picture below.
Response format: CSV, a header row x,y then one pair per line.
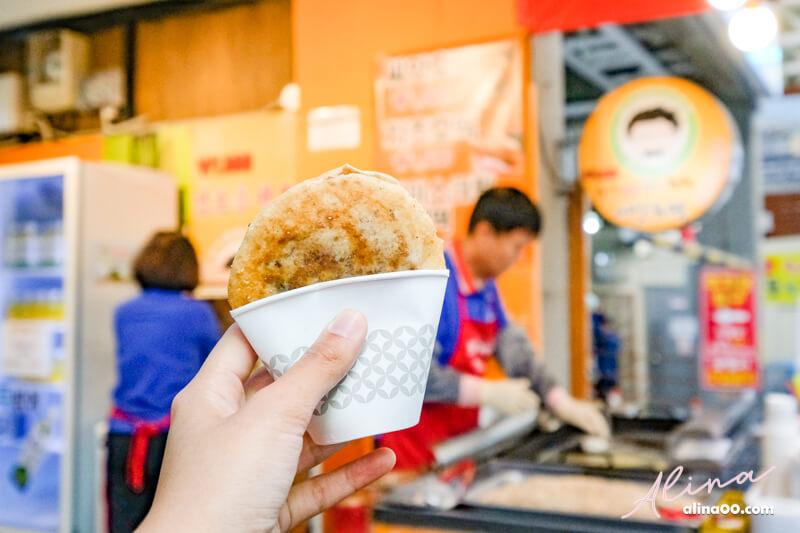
x,y
390,363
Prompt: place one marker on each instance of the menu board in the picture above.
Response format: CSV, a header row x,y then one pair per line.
x,y
450,125
728,348
657,153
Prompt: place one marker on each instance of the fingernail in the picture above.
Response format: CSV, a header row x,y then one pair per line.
x,y
348,324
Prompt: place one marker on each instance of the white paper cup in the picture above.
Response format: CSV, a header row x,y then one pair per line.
x,y
384,390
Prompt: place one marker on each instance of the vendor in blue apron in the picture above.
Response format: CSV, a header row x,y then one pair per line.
x,y
163,336
481,358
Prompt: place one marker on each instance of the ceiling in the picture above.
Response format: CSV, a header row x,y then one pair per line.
x,y
694,47
22,13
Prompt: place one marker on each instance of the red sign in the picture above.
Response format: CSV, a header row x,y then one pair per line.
x,y
728,348
548,15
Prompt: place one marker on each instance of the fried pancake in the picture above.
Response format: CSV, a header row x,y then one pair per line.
x,y
343,223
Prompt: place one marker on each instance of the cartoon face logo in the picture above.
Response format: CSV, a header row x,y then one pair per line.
x,y
654,134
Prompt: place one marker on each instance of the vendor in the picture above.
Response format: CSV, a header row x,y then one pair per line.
x,y
163,336
481,358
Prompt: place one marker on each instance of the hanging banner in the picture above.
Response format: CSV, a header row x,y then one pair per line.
x,y
728,347
556,15
783,278
450,126
657,153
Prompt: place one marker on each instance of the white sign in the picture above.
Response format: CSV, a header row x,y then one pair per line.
x,y
27,348
334,128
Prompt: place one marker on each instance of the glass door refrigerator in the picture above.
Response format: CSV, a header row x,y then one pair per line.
x,y
69,232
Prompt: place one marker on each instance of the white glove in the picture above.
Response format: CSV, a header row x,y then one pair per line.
x,y
581,414
509,396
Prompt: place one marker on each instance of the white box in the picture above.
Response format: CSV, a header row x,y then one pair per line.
x,y
57,62
12,102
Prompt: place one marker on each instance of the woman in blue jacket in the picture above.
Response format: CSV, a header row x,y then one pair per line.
x,y
163,336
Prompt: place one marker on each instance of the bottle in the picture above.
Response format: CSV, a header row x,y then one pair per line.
x,y
32,452
57,246
10,243
51,243
780,442
30,247
46,244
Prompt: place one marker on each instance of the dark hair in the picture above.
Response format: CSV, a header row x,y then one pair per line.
x,y
168,261
650,114
506,209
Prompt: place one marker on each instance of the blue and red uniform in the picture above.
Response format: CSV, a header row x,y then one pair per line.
x,y
162,338
466,342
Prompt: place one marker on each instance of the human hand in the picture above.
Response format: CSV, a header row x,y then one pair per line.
x,y
509,396
581,414
237,441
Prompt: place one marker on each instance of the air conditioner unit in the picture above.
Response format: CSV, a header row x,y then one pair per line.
x,y
57,61
12,102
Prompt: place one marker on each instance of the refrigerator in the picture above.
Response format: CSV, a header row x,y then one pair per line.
x,y
70,231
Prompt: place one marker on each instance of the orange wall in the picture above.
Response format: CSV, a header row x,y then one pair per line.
x,y
335,47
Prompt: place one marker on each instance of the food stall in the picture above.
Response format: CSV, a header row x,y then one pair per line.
x,y
685,404
520,479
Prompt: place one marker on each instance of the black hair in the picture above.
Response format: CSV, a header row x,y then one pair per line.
x,y
506,209
658,112
167,261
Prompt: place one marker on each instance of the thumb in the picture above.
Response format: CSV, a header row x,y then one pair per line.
x,y
320,368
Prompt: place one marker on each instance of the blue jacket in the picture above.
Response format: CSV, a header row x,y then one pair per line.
x,y
162,339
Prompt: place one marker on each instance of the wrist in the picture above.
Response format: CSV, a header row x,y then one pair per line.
x,y
469,391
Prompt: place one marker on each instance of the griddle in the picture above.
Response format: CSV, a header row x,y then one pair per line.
x,y
472,515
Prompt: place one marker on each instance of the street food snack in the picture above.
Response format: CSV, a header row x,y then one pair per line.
x,y
587,495
342,224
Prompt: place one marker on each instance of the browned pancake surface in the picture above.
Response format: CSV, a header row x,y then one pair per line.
x,y
344,223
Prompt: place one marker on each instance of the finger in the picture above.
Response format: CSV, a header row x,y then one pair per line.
x,y
313,454
232,356
600,426
217,387
257,381
315,495
321,367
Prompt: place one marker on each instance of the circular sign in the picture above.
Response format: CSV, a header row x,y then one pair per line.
x,y
656,153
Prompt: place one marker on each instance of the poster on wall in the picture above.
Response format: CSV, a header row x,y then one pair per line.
x,y
450,125
231,167
783,278
657,153
728,347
